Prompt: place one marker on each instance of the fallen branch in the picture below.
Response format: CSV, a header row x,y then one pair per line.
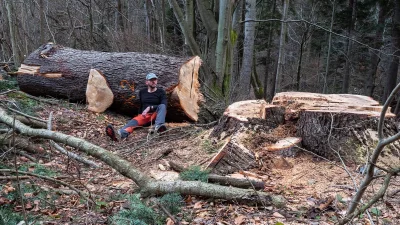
x,y
147,185
226,181
13,177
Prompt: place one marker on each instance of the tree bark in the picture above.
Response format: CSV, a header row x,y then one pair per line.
x,y
391,77
335,124
248,50
194,47
147,185
63,72
13,26
281,46
346,79
325,84
369,85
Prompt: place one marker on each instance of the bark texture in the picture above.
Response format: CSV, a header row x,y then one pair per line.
x,y
57,71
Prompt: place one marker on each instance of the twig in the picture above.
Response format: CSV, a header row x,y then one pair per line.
x,y
168,214
65,152
16,169
26,115
14,177
26,155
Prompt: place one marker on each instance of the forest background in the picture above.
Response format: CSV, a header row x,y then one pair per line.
x,y
333,46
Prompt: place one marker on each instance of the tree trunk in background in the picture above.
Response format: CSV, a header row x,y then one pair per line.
x,y
346,79
13,26
162,27
324,89
41,21
248,50
391,78
189,8
220,52
119,18
148,20
369,84
188,36
269,92
211,25
303,41
236,31
281,45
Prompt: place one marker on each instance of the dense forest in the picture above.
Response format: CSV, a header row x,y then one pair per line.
x,y
330,46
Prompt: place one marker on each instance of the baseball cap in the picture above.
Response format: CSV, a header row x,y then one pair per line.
x,y
151,76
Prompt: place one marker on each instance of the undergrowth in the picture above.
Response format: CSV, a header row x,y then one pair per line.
x,y
194,173
141,214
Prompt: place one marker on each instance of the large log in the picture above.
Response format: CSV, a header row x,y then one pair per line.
x,y
54,70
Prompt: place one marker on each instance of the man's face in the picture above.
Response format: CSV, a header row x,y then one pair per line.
x,y
152,83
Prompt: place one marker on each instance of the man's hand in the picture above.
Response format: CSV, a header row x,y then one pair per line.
x,y
146,111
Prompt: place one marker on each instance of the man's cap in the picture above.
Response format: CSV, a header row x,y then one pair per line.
x,y
151,76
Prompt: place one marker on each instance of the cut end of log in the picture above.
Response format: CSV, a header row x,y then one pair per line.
x,y
98,93
246,109
188,89
35,70
285,144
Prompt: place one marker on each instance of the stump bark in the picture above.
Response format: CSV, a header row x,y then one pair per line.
x,y
54,70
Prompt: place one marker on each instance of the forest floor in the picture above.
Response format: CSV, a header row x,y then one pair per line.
x,y
317,190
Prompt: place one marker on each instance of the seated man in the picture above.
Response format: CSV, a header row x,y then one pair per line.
x,y
153,107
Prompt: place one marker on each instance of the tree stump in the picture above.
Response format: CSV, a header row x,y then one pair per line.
x,y
57,71
251,114
336,123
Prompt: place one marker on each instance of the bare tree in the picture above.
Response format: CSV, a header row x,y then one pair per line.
x,y
12,26
248,50
281,45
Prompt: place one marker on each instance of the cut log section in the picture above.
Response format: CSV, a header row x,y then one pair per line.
x,y
287,147
232,157
53,70
98,93
339,103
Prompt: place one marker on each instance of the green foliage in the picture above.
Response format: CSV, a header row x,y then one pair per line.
x,y
101,117
24,103
375,211
138,214
39,170
195,173
9,217
208,146
8,85
234,37
172,202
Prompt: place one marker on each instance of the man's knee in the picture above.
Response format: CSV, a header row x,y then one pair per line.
x,y
161,106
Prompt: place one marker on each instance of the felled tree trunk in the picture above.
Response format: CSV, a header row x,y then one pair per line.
x,y
58,71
